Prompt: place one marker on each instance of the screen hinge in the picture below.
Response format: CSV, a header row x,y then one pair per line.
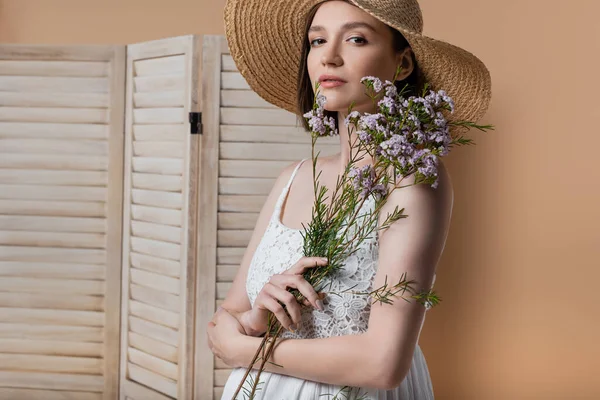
x,y
195,123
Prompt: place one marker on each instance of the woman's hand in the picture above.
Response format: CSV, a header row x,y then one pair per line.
x,y
224,332
275,291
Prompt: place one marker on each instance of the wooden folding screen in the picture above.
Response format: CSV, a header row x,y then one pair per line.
x,y
159,224
120,229
246,143
61,173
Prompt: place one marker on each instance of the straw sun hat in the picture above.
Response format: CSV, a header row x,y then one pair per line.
x,y
265,39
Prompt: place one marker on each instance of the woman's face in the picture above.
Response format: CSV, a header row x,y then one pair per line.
x,y
349,44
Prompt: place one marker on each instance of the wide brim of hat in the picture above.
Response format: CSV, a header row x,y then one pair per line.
x,y
265,40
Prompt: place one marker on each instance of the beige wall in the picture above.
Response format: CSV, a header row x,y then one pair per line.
x,y
519,317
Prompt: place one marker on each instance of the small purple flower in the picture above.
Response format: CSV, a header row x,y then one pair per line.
x,y
363,179
318,122
373,82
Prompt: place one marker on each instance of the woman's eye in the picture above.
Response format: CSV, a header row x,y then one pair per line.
x,y
361,40
312,42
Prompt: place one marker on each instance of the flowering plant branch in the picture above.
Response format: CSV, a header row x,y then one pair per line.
x,y
404,138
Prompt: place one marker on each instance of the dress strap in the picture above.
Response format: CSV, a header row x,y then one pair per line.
x,y
286,189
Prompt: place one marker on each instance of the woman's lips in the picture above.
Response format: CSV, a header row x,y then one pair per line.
x,y
331,84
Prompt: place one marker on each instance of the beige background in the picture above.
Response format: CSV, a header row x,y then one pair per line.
x,y
518,278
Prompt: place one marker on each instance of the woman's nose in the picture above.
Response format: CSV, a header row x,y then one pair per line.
x,y
331,56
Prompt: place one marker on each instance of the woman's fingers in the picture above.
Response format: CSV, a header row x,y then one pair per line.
x,y
272,305
304,263
297,282
285,297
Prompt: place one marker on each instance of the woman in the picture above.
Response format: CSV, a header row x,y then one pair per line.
x,y
340,340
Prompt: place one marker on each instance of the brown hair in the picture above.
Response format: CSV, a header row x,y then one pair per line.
x,y
305,96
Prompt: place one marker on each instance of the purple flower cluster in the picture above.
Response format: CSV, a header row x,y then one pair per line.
x,y
320,124
408,132
363,179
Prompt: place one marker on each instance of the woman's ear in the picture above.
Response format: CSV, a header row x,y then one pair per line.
x,y
404,60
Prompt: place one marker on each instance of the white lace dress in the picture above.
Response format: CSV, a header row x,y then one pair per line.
x,y
279,249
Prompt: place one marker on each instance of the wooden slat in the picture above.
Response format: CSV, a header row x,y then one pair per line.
x,y
52,224
45,363
241,203
57,302
222,289
245,186
233,238
174,132
157,215
38,394
52,286
165,65
42,177
227,63
162,115
159,83
54,146
269,134
156,231
243,98
54,114
154,314
251,168
154,364
61,271
233,80
40,192
155,298
152,380
226,273
257,116
51,347
156,248
163,166
46,130
271,151
51,332
69,100
52,381
51,254
54,68
154,331
66,317
53,239
42,84
157,182
53,161
155,281
137,392
230,255
157,199
53,208
171,98
157,265
158,149
237,220
153,347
